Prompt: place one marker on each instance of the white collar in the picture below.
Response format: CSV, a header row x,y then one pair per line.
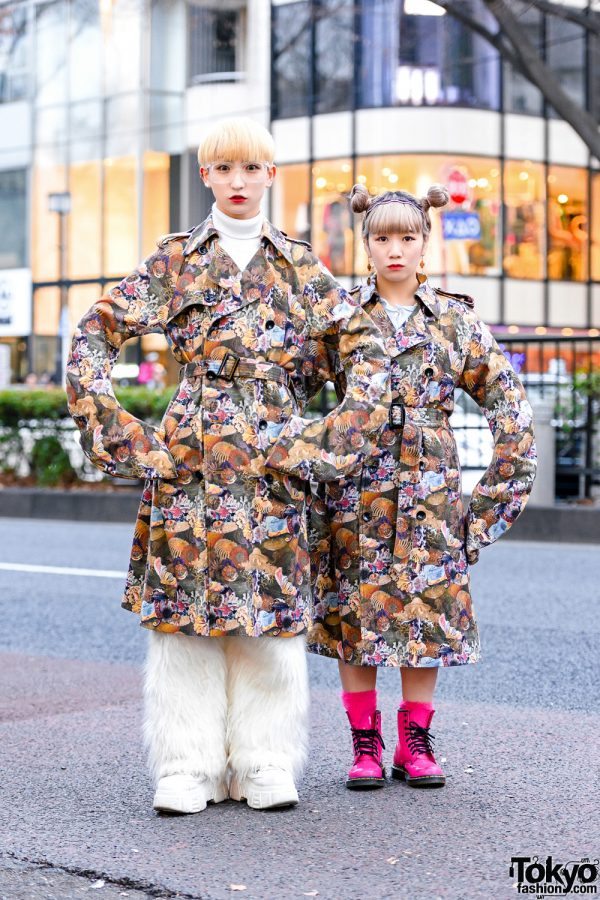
x,y
240,229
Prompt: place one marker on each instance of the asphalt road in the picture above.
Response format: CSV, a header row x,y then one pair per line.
x,y
518,732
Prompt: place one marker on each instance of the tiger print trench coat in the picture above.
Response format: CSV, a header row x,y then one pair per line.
x,y
392,546
220,545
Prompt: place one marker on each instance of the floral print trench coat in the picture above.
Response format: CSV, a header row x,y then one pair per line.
x,y
220,544
393,544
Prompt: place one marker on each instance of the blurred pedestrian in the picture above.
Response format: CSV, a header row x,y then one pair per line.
x,y
220,568
393,544
152,373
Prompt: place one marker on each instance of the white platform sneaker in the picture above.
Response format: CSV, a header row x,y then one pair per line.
x,y
266,788
187,794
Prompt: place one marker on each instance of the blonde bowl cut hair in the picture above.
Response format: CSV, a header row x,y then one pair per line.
x,y
236,139
397,211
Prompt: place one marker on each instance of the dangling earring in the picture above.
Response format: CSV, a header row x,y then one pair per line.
x,y
369,266
421,276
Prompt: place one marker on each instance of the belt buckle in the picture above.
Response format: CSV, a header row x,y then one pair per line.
x,y
228,366
397,415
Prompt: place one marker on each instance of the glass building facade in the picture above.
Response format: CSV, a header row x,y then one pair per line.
x,y
107,100
419,80
83,72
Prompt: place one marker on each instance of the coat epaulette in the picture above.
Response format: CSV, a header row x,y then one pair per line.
x,y
464,298
184,235
296,240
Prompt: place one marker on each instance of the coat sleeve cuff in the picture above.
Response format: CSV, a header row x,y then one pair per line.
x,y
127,459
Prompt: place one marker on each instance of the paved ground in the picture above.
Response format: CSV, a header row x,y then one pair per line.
x,y
519,734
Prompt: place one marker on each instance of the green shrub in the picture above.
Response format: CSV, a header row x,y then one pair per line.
x,y
19,407
50,463
45,412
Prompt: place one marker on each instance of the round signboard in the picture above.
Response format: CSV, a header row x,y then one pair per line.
x,y
457,186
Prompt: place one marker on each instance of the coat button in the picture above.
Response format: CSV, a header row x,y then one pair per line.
x,y
429,372
421,515
366,516
269,478
200,476
286,622
422,465
167,613
211,376
263,424
203,250
269,324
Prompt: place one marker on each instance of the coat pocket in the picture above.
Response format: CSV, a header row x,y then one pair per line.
x,y
182,427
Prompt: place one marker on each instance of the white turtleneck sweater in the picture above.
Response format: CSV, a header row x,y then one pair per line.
x,y
240,238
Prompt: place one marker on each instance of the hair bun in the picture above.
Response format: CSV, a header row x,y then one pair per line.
x,y
359,198
437,195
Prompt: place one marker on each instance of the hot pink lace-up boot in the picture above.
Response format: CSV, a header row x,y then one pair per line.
x,y
414,761
365,723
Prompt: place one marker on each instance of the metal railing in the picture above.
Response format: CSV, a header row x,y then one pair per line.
x,y
563,372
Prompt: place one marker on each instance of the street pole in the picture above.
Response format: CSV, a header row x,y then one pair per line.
x,y
60,203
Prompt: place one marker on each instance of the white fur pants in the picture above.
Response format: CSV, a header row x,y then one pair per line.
x,y
214,702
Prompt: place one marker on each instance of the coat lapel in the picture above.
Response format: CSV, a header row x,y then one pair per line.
x,y
416,329
209,277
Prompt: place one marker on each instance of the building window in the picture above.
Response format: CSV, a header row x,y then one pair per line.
x,y
120,216
520,95
333,222
85,185
595,237
334,41
290,200
524,239
13,219
567,223
471,221
46,312
565,55
594,76
412,54
13,53
291,42
332,217
216,43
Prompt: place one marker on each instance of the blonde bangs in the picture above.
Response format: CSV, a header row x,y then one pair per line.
x,y
237,140
394,218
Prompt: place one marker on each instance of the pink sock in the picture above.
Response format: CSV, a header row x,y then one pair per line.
x,y
360,706
415,704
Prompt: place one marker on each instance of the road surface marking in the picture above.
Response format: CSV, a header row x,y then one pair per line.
x,y
60,570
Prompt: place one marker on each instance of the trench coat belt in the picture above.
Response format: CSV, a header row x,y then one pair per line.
x,y
416,415
231,366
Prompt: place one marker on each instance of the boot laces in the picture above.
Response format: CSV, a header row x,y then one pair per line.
x,y
420,740
365,740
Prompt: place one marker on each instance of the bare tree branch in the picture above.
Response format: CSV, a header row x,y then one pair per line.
x,y
543,77
512,43
457,11
591,21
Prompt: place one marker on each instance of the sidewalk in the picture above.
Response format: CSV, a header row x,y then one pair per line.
x,y
75,797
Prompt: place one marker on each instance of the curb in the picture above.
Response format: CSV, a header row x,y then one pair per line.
x,y
563,524
76,505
